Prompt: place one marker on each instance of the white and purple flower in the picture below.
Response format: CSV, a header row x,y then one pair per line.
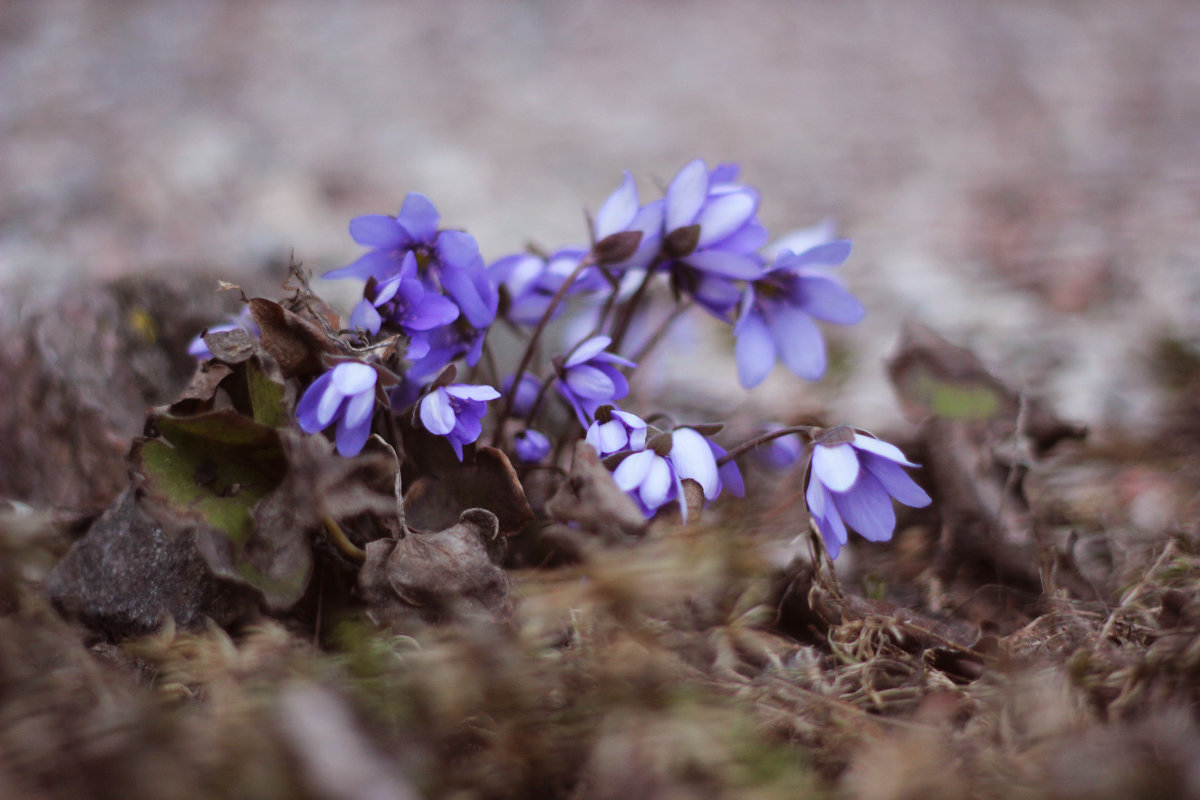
x,y
345,394
531,282
852,481
622,213
777,320
244,320
711,234
654,476
588,377
456,412
615,430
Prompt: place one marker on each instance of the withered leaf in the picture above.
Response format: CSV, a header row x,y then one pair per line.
x,y
294,342
438,577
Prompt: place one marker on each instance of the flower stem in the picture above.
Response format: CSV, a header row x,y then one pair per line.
x,y
342,542
527,356
658,335
631,308
804,430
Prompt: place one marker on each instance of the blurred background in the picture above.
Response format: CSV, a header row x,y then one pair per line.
x,y
1022,176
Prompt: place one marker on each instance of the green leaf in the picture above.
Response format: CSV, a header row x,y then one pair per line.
x,y
266,396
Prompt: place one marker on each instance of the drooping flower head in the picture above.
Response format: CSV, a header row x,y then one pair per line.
x,y
852,481
711,235
621,213
778,313
345,394
456,412
615,430
654,476
588,377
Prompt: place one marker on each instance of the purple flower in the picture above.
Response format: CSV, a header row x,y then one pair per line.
x,y
447,261
778,313
403,301
621,213
588,377
780,452
198,349
345,393
852,482
456,412
615,430
654,476
531,446
711,232
532,281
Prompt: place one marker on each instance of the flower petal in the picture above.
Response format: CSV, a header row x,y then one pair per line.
x,y
587,350
618,210
881,448
436,412
656,488
329,405
351,438
632,471
607,437
867,508
895,480
798,341
458,249
801,240
590,382
835,467
686,194
754,350
727,264
419,217
366,316
377,230
458,284
377,264
470,391
353,377
723,215
359,408
694,459
826,254
825,298
433,311
306,409
829,524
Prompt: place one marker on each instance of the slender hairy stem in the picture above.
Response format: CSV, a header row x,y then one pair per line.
x,y
630,309
527,356
541,395
804,430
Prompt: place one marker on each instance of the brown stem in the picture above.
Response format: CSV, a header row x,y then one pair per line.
x,y
803,430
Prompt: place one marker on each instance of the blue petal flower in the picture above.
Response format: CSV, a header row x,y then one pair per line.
x,y
345,394
852,481
456,412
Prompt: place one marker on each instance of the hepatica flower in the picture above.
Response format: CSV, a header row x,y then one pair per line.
x,y
405,302
588,377
654,476
711,234
531,446
621,213
244,320
615,430
456,412
345,394
446,260
852,481
777,320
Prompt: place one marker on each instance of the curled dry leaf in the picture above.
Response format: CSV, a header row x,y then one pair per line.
x,y
438,577
294,342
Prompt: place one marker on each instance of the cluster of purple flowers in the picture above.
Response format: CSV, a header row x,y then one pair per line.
x,y
431,288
